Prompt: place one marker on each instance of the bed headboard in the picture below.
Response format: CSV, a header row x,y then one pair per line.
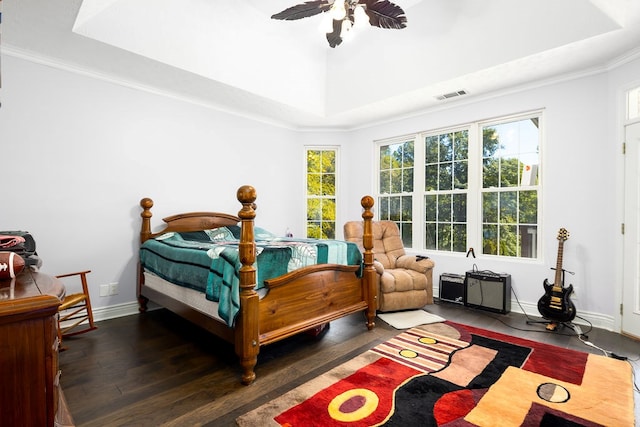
x,y
191,221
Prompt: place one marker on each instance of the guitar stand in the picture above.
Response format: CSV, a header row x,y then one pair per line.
x,y
551,324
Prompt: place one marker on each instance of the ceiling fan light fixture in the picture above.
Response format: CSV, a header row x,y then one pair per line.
x,y
345,14
338,10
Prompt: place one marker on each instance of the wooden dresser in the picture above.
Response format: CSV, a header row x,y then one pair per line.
x,y
29,374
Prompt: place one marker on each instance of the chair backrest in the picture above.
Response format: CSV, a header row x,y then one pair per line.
x,y
387,243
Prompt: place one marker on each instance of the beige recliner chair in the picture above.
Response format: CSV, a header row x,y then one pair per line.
x,y
404,281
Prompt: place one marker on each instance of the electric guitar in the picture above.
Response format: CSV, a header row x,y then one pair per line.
x,y
555,304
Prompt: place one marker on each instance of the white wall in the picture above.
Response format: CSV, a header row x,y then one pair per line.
x,y
82,152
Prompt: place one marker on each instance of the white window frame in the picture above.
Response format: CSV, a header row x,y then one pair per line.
x,y
475,177
336,150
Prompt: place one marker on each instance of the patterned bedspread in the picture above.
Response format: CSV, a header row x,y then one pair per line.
x,y
208,261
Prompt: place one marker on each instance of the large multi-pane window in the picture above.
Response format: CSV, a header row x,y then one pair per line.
x,y
321,193
481,187
395,200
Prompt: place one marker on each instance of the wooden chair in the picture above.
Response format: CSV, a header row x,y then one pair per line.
x,y
75,311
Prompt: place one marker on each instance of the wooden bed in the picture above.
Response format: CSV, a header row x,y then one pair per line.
x,y
301,300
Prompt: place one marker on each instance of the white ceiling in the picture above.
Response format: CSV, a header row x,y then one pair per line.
x,y
229,54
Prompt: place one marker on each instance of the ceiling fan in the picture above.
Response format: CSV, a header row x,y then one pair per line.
x,y
343,15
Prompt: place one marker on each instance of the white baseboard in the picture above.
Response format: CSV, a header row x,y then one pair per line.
x,y
113,311
582,318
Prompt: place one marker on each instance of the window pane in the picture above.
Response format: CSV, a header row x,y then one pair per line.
x,y
313,161
446,148
385,157
461,145
490,239
328,209
431,177
385,182
444,237
445,181
528,241
508,207
431,149
328,184
430,235
329,161
508,240
490,169
407,154
396,180
460,175
328,230
383,208
394,208
459,237
314,209
407,234
407,180
444,208
490,208
430,207
460,208
407,208
314,230
528,207
313,184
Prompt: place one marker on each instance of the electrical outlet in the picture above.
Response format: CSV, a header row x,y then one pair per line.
x,y
104,290
113,288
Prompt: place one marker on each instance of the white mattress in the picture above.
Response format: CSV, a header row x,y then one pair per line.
x,y
191,297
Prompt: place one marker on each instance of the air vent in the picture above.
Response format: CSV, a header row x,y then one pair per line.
x,y
451,95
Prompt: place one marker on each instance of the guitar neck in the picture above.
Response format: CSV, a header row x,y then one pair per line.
x,y
558,280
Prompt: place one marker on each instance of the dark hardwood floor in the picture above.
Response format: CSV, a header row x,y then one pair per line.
x,y
158,369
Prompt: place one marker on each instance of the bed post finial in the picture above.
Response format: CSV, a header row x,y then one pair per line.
x,y
145,231
369,273
247,341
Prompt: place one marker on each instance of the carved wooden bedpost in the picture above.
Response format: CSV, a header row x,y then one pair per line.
x,y
369,274
246,330
145,232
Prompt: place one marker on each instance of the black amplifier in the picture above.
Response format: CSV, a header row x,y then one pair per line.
x,y
488,291
452,288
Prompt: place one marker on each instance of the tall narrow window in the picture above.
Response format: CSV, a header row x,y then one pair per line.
x,y
321,193
446,184
396,186
510,161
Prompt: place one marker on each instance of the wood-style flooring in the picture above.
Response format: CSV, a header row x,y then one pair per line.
x,y
157,369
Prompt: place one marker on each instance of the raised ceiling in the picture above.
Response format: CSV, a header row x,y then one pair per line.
x,y
229,54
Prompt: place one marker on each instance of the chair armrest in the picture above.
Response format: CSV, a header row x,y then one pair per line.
x,y
413,263
378,266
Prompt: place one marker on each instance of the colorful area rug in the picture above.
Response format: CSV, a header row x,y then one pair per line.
x,y
448,374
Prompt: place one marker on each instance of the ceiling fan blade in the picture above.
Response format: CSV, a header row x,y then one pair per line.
x,y
384,14
333,37
303,10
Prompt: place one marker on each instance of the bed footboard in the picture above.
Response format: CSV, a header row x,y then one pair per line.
x,y
298,301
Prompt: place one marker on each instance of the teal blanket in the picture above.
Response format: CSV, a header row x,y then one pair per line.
x,y
209,261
